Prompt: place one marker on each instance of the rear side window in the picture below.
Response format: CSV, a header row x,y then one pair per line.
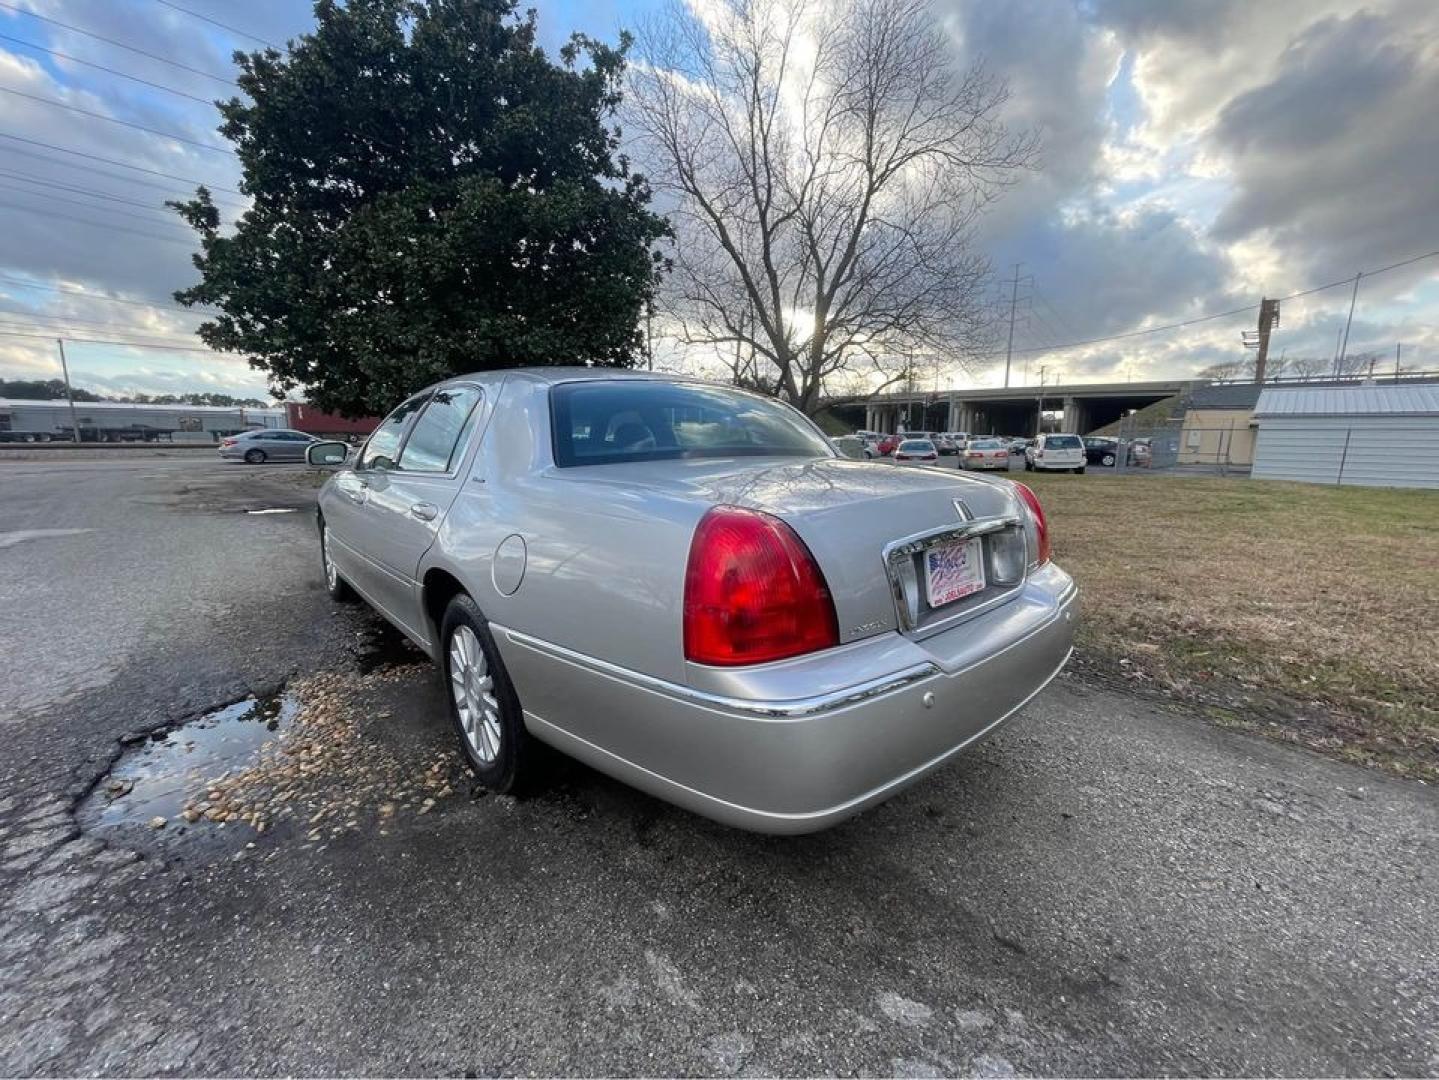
x,y
437,438
605,422
384,442
1063,442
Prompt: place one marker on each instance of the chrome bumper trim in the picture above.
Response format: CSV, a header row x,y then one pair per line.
x,y
793,708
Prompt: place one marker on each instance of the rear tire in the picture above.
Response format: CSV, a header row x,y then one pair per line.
x,y
255,457
484,708
1079,471
1107,459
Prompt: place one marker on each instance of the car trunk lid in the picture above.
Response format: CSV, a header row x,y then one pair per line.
x,y
870,527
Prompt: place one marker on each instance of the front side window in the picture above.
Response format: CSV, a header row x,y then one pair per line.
x,y
385,441
621,420
438,437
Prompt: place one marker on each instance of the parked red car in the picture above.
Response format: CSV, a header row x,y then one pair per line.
x,y
887,445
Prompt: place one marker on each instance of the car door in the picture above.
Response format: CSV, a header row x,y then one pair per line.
x,y
343,502
406,501
285,446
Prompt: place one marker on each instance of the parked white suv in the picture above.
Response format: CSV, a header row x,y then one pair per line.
x,y
1058,452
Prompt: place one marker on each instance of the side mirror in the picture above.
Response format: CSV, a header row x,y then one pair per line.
x,y
327,455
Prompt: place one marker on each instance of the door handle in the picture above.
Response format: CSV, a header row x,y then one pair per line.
x,y
425,511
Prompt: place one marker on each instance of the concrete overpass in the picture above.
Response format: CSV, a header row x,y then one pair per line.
x,y
1014,410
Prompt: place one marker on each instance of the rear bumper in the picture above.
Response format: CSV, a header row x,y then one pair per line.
x,y
796,765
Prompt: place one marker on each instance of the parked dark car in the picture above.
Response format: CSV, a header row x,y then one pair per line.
x,y
1100,450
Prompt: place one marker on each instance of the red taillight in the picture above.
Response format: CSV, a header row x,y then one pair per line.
x,y
1041,525
753,592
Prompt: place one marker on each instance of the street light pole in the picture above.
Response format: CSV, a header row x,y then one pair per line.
x,y
69,396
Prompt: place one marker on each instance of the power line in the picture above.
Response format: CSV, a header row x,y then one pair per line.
x,y
127,344
107,70
59,186
90,206
116,120
121,164
101,323
97,224
118,44
100,296
217,22
1224,314
221,199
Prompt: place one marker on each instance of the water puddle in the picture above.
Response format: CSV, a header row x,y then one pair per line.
x,y
157,779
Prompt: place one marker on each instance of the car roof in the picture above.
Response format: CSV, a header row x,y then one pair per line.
x,y
572,373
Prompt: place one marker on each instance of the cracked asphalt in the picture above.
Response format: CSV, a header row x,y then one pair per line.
x,y
1106,887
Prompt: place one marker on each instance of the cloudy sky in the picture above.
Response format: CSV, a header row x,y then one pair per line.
x,y
1197,156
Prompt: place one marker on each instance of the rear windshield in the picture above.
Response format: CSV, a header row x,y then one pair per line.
x,y
985,444
1063,442
604,422
916,446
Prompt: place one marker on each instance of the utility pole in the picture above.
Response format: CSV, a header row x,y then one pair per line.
x,y
1398,349
1344,348
69,396
1268,319
649,335
1013,303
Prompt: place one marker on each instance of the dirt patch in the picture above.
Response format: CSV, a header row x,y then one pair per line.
x,y
1300,611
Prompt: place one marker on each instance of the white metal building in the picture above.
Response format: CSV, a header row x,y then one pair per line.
x,y
1372,436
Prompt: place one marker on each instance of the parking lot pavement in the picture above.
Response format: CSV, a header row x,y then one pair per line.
x,y
1102,888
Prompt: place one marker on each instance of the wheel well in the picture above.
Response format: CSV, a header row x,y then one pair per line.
x,y
440,587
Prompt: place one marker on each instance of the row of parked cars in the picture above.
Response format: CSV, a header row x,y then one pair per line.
x,y
1053,452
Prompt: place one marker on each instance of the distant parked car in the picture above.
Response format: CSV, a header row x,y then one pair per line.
x,y
943,442
985,454
852,446
958,438
1141,452
1100,450
681,585
916,452
267,444
1058,453
887,444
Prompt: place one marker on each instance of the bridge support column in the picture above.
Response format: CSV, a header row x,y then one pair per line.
x,y
1071,421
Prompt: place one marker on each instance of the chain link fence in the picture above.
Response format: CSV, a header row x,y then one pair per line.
x,y
1171,446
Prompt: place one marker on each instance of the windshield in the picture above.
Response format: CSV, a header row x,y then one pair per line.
x,y
604,422
916,446
984,444
1062,442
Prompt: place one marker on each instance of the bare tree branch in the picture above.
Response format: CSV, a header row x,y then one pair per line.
x,y
826,165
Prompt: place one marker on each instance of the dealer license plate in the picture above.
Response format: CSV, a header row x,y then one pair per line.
x,y
953,571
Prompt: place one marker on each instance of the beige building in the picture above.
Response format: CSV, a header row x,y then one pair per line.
x,y
1219,427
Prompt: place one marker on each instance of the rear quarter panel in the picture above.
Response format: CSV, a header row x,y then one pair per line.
x,y
603,569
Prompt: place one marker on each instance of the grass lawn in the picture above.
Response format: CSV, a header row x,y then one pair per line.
x,y
1309,613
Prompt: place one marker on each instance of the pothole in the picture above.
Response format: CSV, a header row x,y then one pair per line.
x,y
304,764
155,779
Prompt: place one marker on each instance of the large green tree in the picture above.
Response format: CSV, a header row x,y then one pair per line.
x,y
431,194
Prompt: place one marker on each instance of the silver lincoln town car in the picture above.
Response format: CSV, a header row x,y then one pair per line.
x,y
686,587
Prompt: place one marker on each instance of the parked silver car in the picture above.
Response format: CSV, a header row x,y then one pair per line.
x,y
267,444
684,586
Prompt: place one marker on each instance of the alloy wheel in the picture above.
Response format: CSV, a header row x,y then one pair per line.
x,y
472,688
